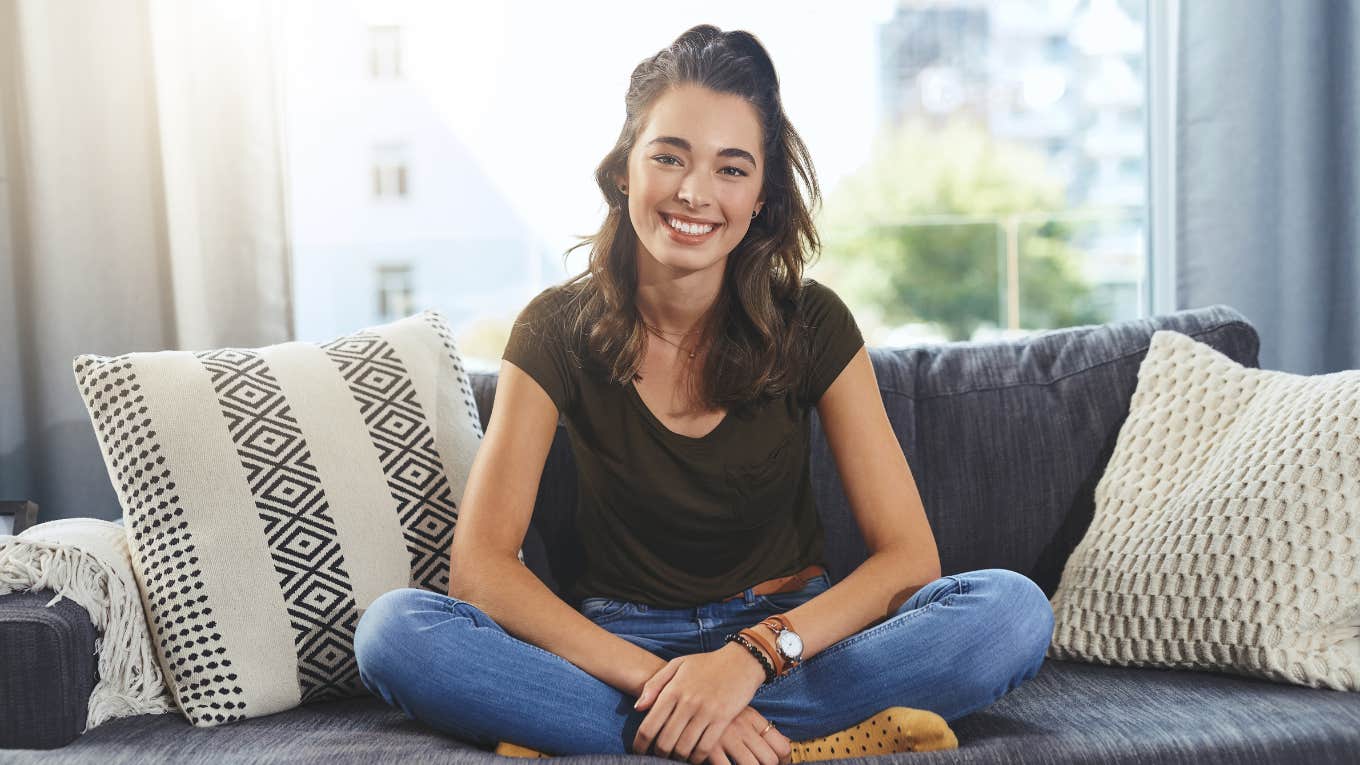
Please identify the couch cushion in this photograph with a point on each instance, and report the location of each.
(1006, 441)
(1068, 713)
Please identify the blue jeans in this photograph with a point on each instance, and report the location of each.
(955, 646)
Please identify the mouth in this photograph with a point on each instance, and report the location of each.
(688, 238)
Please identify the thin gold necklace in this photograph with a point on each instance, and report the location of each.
(666, 331)
(658, 334)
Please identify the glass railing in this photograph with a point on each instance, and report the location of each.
(967, 277)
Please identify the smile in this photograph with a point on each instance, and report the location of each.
(688, 233)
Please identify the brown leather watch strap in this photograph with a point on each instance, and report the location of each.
(782, 619)
(767, 646)
(771, 623)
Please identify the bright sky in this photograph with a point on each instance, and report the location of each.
(535, 89)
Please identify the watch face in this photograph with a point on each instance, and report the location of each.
(790, 644)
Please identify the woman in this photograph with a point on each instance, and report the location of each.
(686, 360)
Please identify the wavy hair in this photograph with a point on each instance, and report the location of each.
(757, 348)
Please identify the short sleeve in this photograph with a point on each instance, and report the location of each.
(537, 346)
(835, 338)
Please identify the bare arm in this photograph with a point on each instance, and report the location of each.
(497, 504)
(887, 506)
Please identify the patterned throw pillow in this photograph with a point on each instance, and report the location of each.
(271, 494)
(1226, 534)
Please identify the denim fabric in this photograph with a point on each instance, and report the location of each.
(954, 647)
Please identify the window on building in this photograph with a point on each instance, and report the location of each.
(396, 291)
(389, 171)
(384, 52)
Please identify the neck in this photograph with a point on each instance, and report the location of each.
(676, 307)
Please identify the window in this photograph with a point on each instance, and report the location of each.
(1028, 214)
(396, 291)
(384, 52)
(983, 163)
(389, 171)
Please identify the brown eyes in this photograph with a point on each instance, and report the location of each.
(662, 157)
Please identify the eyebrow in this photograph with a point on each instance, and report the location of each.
(683, 144)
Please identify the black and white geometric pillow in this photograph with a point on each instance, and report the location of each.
(270, 494)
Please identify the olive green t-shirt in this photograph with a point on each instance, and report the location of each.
(675, 521)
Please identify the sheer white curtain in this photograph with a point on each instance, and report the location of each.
(142, 207)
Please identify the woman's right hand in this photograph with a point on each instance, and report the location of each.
(742, 743)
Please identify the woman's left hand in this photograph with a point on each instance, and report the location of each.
(691, 700)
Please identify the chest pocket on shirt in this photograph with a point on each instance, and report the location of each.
(766, 486)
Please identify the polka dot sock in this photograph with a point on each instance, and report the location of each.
(895, 729)
(507, 749)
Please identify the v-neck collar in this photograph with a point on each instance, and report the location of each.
(661, 426)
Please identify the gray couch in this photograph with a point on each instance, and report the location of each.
(1006, 440)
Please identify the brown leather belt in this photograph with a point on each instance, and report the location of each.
(794, 581)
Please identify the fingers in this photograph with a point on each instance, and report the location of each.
(745, 756)
(735, 748)
(782, 746)
(687, 743)
(760, 747)
(718, 756)
(777, 742)
(651, 726)
(710, 742)
(668, 738)
(652, 688)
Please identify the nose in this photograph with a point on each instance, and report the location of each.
(693, 189)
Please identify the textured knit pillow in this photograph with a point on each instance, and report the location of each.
(271, 494)
(1226, 534)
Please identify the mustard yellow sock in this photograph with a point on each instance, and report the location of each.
(895, 729)
(508, 749)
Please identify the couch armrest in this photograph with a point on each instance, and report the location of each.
(48, 668)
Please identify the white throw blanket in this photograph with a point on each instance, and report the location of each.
(87, 560)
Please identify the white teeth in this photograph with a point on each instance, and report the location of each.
(689, 228)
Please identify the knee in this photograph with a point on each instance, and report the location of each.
(1024, 615)
(382, 630)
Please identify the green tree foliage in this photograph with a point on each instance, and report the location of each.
(920, 232)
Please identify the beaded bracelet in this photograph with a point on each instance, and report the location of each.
(759, 654)
(767, 645)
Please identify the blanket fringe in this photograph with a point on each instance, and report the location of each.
(130, 680)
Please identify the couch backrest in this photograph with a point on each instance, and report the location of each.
(1006, 441)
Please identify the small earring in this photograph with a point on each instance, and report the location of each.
(623, 189)
(754, 213)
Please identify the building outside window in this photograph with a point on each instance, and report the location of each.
(981, 162)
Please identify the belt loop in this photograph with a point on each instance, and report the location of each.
(749, 596)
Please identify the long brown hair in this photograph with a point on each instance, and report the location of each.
(756, 348)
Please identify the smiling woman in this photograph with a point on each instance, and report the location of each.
(686, 361)
(714, 184)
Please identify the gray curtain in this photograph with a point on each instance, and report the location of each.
(1268, 173)
(142, 208)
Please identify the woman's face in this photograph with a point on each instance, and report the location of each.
(697, 160)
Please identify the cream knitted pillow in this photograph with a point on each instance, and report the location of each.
(270, 494)
(1227, 526)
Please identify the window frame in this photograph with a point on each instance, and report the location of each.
(1162, 30)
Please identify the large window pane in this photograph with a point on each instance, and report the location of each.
(982, 163)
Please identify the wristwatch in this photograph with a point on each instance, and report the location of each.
(786, 641)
